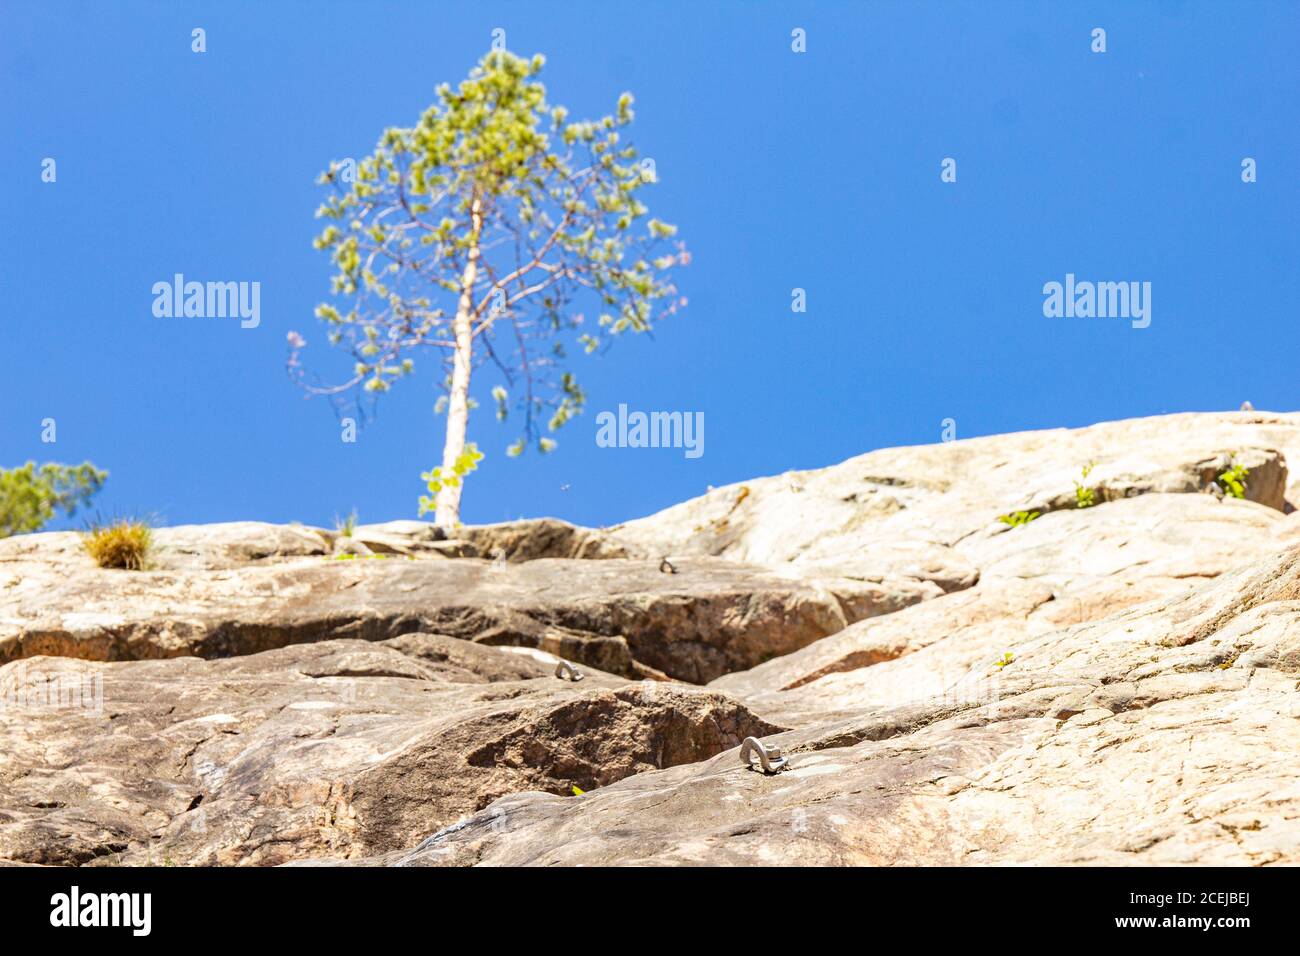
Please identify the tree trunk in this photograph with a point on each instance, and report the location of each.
(447, 514)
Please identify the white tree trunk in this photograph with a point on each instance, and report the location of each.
(447, 514)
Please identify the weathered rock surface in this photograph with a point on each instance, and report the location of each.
(977, 625)
(1109, 684)
(545, 538)
(938, 495)
(338, 748)
(1064, 568)
(1167, 734)
(210, 547)
(625, 617)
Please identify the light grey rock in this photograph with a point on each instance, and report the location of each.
(938, 495)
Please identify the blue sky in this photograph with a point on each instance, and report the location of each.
(818, 170)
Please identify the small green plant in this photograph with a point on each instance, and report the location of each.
(345, 526)
(30, 495)
(1007, 658)
(123, 544)
(438, 478)
(1084, 497)
(578, 791)
(1233, 481)
(1018, 518)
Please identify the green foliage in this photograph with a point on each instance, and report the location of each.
(29, 496)
(345, 526)
(439, 478)
(495, 203)
(1018, 518)
(123, 544)
(1007, 658)
(1084, 497)
(1233, 481)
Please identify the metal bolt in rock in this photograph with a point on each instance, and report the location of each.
(769, 758)
(667, 567)
(565, 668)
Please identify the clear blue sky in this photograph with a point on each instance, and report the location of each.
(817, 170)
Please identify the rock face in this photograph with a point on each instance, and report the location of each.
(341, 748)
(1116, 683)
(939, 495)
(1166, 734)
(625, 617)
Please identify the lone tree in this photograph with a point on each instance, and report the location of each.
(474, 233)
